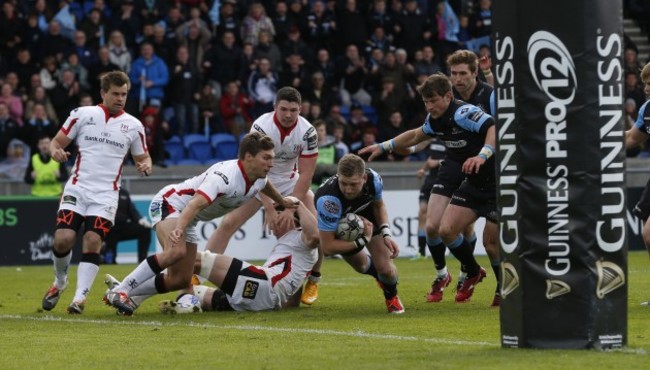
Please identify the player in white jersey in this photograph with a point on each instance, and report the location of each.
(104, 134)
(296, 151)
(176, 209)
(245, 287)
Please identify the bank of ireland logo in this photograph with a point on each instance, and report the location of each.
(610, 277)
(509, 279)
(552, 67)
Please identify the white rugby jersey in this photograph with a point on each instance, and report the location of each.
(103, 141)
(299, 140)
(288, 265)
(225, 186)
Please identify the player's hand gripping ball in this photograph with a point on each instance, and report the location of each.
(350, 227)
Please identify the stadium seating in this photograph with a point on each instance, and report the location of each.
(227, 150)
(189, 139)
(175, 150)
(217, 139)
(201, 151)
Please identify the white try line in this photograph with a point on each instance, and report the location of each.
(354, 334)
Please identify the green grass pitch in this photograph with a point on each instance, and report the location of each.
(348, 328)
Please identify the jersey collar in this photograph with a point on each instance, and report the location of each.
(243, 173)
(284, 131)
(108, 114)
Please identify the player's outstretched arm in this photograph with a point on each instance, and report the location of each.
(143, 164)
(406, 140)
(58, 145)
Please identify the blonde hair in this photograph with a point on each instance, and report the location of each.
(351, 165)
(645, 73)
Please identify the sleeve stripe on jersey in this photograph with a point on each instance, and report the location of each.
(117, 178)
(66, 130)
(308, 155)
(77, 163)
(206, 196)
(144, 142)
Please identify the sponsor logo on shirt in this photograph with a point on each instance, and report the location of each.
(223, 177)
(69, 199)
(331, 207)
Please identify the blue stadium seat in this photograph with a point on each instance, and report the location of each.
(175, 150)
(370, 112)
(217, 139)
(190, 139)
(189, 162)
(201, 151)
(175, 139)
(211, 161)
(227, 150)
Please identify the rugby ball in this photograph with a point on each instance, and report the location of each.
(350, 227)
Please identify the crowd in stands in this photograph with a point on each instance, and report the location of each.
(212, 66)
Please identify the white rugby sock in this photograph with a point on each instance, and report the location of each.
(86, 273)
(146, 288)
(137, 277)
(61, 265)
(443, 272)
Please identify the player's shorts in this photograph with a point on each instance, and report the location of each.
(450, 176)
(429, 180)
(284, 186)
(160, 209)
(248, 288)
(98, 203)
(642, 208)
(483, 201)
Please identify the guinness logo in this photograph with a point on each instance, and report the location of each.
(610, 277)
(509, 280)
(556, 288)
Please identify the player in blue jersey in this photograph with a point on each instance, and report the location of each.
(355, 189)
(469, 136)
(635, 136)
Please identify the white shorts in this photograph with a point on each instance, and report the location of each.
(284, 186)
(252, 290)
(99, 203)
(160, 209)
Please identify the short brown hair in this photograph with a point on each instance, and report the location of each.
(289, 94)
(115, 78)
(254, 143)
(436, 84)
(351, 165)
(463, 57)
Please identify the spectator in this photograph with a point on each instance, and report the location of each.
(85, 100)
(94, 29)
(87, 54)
(209, 109)
(37, 126)
(248, 62)
(54, 43)
(13, 102)
(10, 27)
(296, 45)
(96, 70)
(327, 155)
(262, 86)
(16, 160)
(127, 22)
(266, 48)
(80, 72)
(414, 28)
(24, 68)
(39, 96)
(350, 26)
(321, 26)
(427, 65)
(183, 92)
(196, 39)
(326, 66)
(315, 112)
(390, 129)
(12, 79)
(44, 13)
(155, 131)
(481, 20)
(149, 77)
(195, 19)
(32, 36)
(164, 47)
(353, 73)
(9, 129)
(295, 74)
(228, 21)
(631, 61)
(119, 53)
(223, 62)
(378, 40)
(298, 15)
(379, 17)
(129, 224)
(173, 21)
(44, 174)
(319, 92)
(359, 122)
(65, 94)
(386, 101)
(152, 10)
(255, 22)
(341, 146)
(235, 106)
(368, 138)
(281, 22)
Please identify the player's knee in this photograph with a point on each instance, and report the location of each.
(64, 240)
(176, 254)
(432, 230)
(92, 239)
(447, 233)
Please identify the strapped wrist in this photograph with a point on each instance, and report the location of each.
(486, 152)
(388, 145)
(385, 231)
